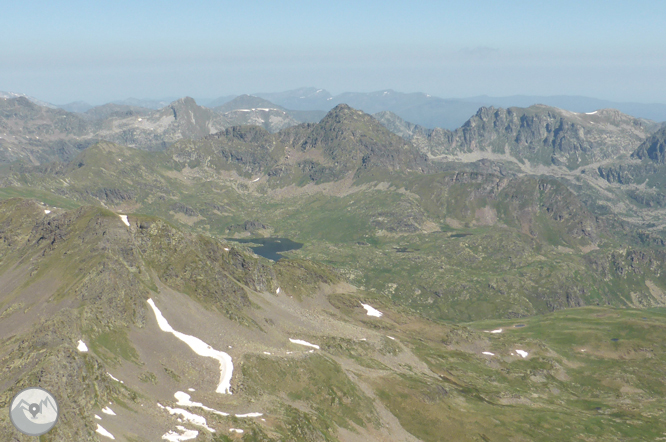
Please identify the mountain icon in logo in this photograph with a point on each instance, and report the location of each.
(34, 411)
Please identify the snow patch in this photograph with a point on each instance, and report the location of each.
(278, 290)
(522, 353)
(200, 348)
(189, 417)
(107, 410)
(300, 342)
(101, 430)
(487, 353)
(82, 347)
(499, 330)
(125, 220)
(191, 389)
(372, 311)
(111, 376)
(390, 337)
(250, 415)
(591, 113)
(186, 434)
(98, 418)
(184, 401)
(256, 179)
(47, 211)
(236, 430)
(267, 353)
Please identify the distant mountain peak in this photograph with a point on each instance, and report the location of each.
(185, 101)
(352, 139)
(247, 102)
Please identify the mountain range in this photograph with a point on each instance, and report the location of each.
(500, 281)
(420, 108)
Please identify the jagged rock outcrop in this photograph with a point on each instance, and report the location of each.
(653, 148)
(539, 135)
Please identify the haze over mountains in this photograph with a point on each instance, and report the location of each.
(419, 108)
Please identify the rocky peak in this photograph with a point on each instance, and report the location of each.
(654, 147)
(351, 138)
(183, 104)
(246, 102)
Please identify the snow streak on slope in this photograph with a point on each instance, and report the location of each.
(125, 220)
(101, 430)
(372, 311)
(200, 348)
(186, 434)
(184, 401)
(301, 342)
(192, 418)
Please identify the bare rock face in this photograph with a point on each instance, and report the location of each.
(653, 148)
(37, 134)
(539, 135)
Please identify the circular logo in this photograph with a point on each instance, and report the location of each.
(34, 411)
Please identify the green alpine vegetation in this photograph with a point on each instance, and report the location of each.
(517, 262)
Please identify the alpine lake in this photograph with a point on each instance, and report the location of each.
(269, 248)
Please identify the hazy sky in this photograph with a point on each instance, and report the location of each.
(101, 51)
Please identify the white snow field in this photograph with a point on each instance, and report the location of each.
(249, 415)
(184, 401)
(200, 348)
(499, 330)
(125, 220)
(192, 418)
(186, 434)
(107, 410)
(236, 430)
(101, 430)
(300, 342)
(487, 353)
(82, 347)
(372, 311)
(522, 353)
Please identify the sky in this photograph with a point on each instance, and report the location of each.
(102, 51)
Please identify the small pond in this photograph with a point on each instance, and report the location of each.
(269, 247)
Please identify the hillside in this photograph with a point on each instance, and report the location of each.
(111, 302)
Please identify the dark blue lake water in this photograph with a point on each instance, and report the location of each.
(269, 247)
